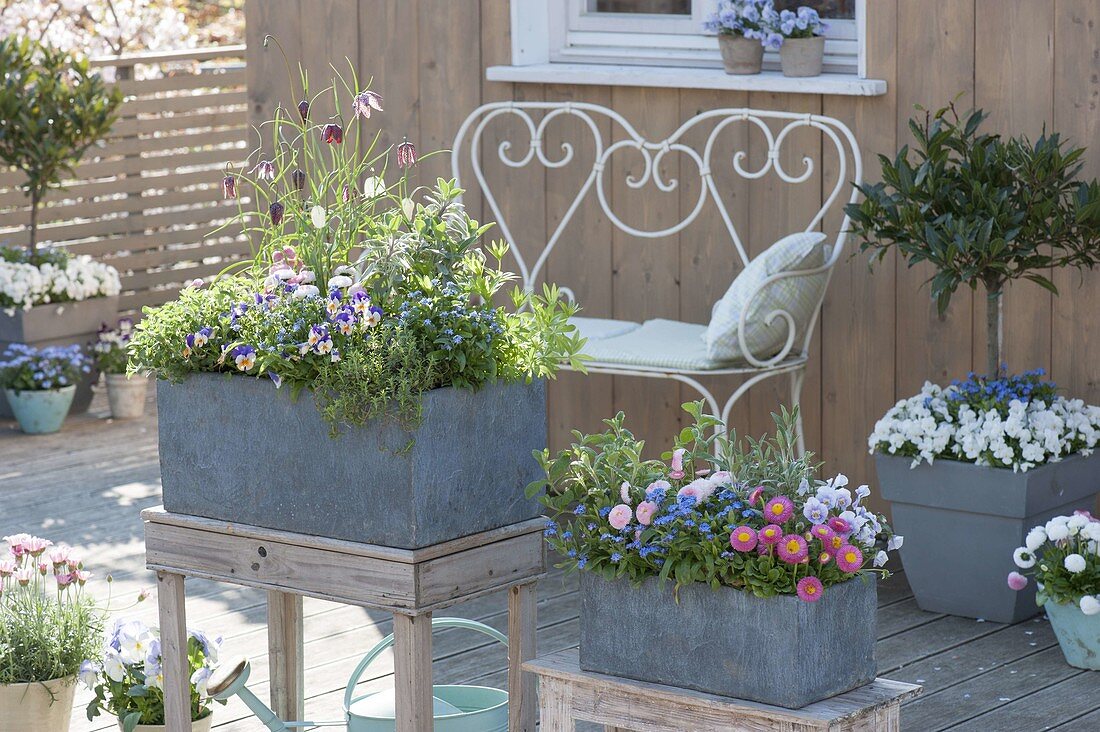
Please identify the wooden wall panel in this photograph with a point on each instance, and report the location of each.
(858, 318)
(1014, 82)
(269, 84)
(1076, 331)
(930, 347)
(332, 47)
(388, 60)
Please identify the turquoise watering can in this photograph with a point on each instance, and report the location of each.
(455, 708)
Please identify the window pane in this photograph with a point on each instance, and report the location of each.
(826, 8)
(659, 7)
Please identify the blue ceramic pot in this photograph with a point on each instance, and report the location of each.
(1078, 634)
(41, 412)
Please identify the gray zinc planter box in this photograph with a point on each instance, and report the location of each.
(59, 324)
(234, 448)
(779, 650)
(962, 521)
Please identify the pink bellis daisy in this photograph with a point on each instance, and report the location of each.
(792, 549)
(771, 534)
(1017, 581)
(778, 509)
(620, 516)
(743, 539)
(809, 589)
(849, 558)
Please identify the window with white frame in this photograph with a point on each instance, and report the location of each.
(670, 33)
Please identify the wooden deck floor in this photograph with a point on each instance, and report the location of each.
(86, 485)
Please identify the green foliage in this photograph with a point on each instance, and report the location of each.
(981, 209)
(52, 109)
(688, 540)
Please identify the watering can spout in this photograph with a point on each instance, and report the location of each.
(228, 677)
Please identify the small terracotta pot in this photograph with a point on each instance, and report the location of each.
(42, 706)
(199, 725)
(802, 57)
(126, 395)
(740, 55)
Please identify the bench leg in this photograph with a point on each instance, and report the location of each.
(412, 672)
(522, 626)
(555, 706)
(284, 651)
(173, 649)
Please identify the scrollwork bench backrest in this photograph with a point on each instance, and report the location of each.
(467, 150)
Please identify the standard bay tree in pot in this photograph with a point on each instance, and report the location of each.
(52, 109)
(969, 468)
(725, 569)
(360, 352)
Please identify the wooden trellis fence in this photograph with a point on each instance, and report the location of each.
(147, 199)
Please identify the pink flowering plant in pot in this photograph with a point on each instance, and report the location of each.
(48, 624)
(721, 530)
(1063, 556)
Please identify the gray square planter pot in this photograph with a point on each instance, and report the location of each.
(730, 642)
(59, 324)
(234, 448)
(961, 523)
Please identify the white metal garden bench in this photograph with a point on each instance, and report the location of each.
(670, 349)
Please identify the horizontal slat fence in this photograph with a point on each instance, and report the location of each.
(148, 198)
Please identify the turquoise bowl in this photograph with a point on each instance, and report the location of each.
(1078, 634)
(41, 412)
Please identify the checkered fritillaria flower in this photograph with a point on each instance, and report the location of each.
(303, 110)
(348, 193)
(298, 179)
(229, 187)
(364, 102)
(332, 133)
(264, 170)
(276, 210)
(406, 154)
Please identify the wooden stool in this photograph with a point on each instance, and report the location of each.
(567, 694)
(409, 583)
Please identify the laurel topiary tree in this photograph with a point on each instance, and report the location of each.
(981, 209)
(52, 109)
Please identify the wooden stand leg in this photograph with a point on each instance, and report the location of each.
(412, 672)
(173, 648)
(284, 652)
(555, 706)
(522, 627)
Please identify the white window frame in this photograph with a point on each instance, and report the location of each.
(578, 36)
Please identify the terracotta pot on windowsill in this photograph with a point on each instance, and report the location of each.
(801, 57)
(740, 55)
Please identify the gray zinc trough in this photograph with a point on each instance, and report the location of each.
(778, 650)
(234, 448)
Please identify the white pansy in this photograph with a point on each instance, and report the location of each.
(1035, 538)
(113, 666)
(1090, 605)
(881, 559)
(1075, 563)
(22, 286)
(1023, 558)
(895, 543)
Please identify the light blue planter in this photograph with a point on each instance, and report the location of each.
(1078, 634)
(41, 412)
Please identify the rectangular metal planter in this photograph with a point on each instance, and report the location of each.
(779, 650)
(59, 324)
(234, 448)
(962, 521)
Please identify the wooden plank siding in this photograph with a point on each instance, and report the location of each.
(1028, 62)
(147, 199)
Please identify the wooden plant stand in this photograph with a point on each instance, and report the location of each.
(409, 583)
(567, 694)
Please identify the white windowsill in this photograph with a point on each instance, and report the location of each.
(685, 78)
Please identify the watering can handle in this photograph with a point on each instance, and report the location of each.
(386, 642)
